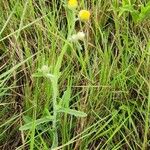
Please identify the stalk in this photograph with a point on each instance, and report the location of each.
(55, 83)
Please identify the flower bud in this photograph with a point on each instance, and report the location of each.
(72, 4)
(84, 15)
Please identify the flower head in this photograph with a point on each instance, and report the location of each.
(44, 69)
(72, 4)
(73, 38)
(84, 15)
(79, 36)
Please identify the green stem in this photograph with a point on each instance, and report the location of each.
(55, 84)
(55, 93)
(144, 146)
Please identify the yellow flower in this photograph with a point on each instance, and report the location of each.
(72, 4)
(84, 15)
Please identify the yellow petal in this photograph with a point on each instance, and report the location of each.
(84, 15)
(72, 4)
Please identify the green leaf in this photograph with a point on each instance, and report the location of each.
(126, 8)
(135, 16)
(129, 8)
(66, 97)
(37, 122)
(145, 12)
(27, 119)
(39, 74)
(72, 112)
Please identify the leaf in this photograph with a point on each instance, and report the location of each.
(129, 8)
(126, 8)
(39, 74)
(66, 97)
(135, 16)
(37, 122)
(27, 119)
(72, 112)
(145, 12)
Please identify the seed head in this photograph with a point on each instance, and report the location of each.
(79, 36)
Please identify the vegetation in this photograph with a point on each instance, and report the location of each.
(75, 75)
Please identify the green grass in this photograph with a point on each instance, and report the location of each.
(94, 95)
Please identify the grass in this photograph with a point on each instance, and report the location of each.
(92, 94)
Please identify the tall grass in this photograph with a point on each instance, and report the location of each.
(95, 94)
